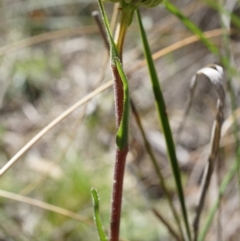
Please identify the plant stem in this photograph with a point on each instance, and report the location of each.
(118, 85)
(117, 193)
(121, 153)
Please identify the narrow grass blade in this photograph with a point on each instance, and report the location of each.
(220, 8)
(225, 61)
(165, 123)
(192, 27)
(97, 219)
(227, 179)
(226, 50)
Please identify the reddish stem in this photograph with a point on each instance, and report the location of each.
(118, 95)
(120, 154)
(117, 193)
(120, 161)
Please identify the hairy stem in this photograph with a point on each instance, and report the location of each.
(121, 153)
(117, 193)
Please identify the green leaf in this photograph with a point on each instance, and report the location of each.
(225, 60)
(122, 133)
(164, 123)
(113, 49)
(97, 219)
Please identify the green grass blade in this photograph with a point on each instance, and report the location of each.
(228, 177)
(122, 132)
(97, 219)
(165, 123)
(225, 61)
(192, 27)
(229, 79)
(220, 8)
(113, 49)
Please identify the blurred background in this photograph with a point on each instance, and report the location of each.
(52, 55)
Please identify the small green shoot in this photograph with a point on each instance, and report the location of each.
(97, 219)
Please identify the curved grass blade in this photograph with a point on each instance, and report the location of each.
(97, 219)
(164, 123)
